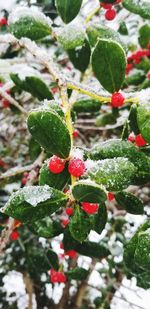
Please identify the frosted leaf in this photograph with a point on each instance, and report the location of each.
(21, 12)
(71, 36)
(39, 195)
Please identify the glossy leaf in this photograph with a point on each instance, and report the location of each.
(57, 181)
(33, 85)
(86, 106)
(68, 9)
(115, 174)
(107, 56)
(142, 256)
(130, 203)
(26, 22)
(141, 7)
(144, 35)
(53, 259)
(143, 117)
(100, 219)
(71, 36)
(33, 203)
(96, 31)
(77, 273)
(93, 249)
(86, 191)
(43, 227)
(80, 56)
(80, 225)
(50, 131)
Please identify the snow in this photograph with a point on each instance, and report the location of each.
(21, 12)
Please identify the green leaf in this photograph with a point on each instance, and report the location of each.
(80, 225)
(26, 22)
(37, 259)
(70, 36)
(143, 280)
(77, 273)
(93, 249)
(123, 28)
(34, 149)
(132, 120)
(143, 117)
(104, 119)
(130, 203)
(144, 35)
(141, 7)
(111, 149)
(96, 31)
(80, 56)
(50, 131)
(86, 106)
(33, 85)
(100, 219)
(53, 259)
(57, 181)
(115, 174)
(130, 247)
(87, 191)
(134, 79)
(142, 251)
(107, 56)
(43, 227)
(33, 203)
(68, 9)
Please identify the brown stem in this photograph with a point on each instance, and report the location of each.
(29, 288)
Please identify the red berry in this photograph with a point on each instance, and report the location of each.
(3, 21)
(5, 103)
(140, 141)
(148, 75)
(129, 67)
(61, 245)
(76, 167)
(110, 196)
(131, 138)
(117, 99)
(110, 14)
(148, 45)
(54, 90)
(71, 253)
(90, 208)
(65, 222)
(2, 163)
(69, 211)
(75, 134)
(57, 276)
(56, 165)
(14, 235)
(24, 181)
(106, 6)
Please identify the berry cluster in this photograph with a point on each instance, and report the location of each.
(76, 166)
(57, 276)
(110, 12)
(138, 140)
(136, 58)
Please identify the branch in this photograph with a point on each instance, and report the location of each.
(11, 100)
